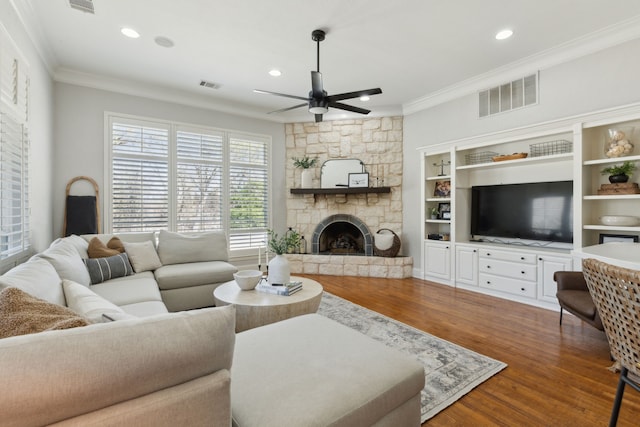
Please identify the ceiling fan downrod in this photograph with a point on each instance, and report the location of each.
(317, 36)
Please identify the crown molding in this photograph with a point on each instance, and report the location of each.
(29, 21)
(591, 43)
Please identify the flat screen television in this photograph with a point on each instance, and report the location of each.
(540, 211)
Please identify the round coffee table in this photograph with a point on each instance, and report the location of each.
(255, 308)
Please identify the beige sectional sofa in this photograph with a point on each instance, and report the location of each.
(151, 367)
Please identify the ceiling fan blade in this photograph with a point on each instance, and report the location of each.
(356, 94)
(280, 94)
(316, 84)
(349, 108)
(287, 109)
(318, 118)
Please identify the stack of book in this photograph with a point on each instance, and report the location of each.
(286, 289)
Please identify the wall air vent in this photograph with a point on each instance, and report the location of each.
(82, 5)
(210, 85)
(509, 96)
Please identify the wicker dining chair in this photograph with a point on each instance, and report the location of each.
(616, 294)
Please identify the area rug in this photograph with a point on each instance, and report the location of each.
(450, 371)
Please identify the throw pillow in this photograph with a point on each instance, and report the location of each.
(106, 268)
(65, 259)
(143, 256)
(97, 249)
(21, 314)
(87, 303)
(176, 248)
(116, 243)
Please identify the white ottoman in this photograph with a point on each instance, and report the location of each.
(313, 371)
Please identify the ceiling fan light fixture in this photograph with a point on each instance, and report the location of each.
(129, 32)
(275, 73)
(318, 106)
(364, 98)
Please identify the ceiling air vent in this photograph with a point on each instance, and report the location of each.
(210, 85)
(82, 5)
(509, 96)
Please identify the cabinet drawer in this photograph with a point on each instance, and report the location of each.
(505, 284)
(508, 256)
(508, 269)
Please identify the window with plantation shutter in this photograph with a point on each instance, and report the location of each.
(140, 177)
(189, 179)
(248, 192)
(14, 151)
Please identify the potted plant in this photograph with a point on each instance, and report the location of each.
(279, 271)
(305, 163)
(619, 173)
(434, 213)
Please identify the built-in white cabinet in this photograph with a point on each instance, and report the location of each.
(437, 261)
(547, 266)
(575, 149)
(466, 265)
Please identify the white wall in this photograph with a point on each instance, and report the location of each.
(40, 129)
(606, 79)
(79, 138)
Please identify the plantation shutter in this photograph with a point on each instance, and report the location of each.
(140, 177)
(199, 176)
(14, 187)
(248, 191)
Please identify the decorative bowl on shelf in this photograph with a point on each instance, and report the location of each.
(247, 279)
(619, 220)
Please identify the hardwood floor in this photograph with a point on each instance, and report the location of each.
(557, 375)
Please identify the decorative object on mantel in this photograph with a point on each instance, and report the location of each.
(619, 173)
(279, 270)
(386, 244)
(513, 156)
(305, 163)
(618, 142)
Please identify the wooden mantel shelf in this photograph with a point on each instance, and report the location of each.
(341, 190)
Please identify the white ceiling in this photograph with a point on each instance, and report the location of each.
(417, 51)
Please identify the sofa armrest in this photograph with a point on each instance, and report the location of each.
(57, 375)
(570, 280)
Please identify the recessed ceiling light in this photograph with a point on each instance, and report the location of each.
(504, 34)
(275, 73)
(130, 32)
(364, 98)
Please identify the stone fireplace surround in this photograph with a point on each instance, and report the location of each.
(378, 143)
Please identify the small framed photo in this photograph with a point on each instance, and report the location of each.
(358, 180)
(606, 238)
(442, 189)
(444, 210)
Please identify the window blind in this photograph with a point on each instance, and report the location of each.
(189, 179)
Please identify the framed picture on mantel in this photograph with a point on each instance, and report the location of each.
(359, 180)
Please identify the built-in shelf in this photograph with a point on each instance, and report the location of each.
(341, 190)
(611, 160)
(527, 160)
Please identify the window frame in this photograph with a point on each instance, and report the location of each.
(172, 158)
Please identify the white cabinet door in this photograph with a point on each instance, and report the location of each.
(547, 265)
(467, 265)
(437, 260)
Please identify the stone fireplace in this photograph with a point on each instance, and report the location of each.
(341, 235)
(340, 227)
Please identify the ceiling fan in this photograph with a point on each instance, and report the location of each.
(318, 101)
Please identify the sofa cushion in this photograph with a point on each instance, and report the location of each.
(87, 303)
(65, 259)
(143, 256)
(98, 249)
(36, 277)
(145, 308)
(193, 274)
(21, 313)
(140, 287)
(78, 242)
(133, 237)
(107, 268)
(57, 375)
(176, 248)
